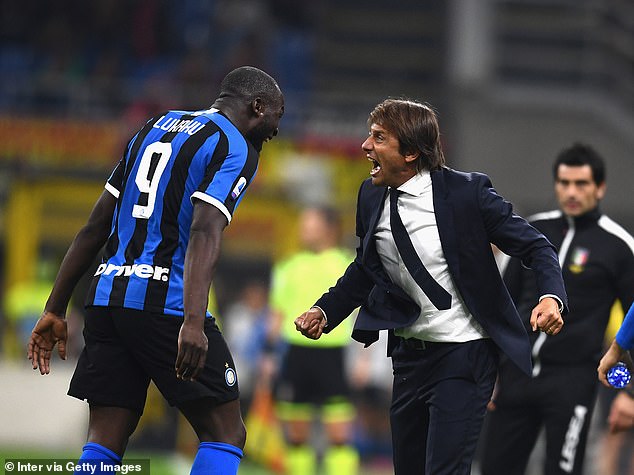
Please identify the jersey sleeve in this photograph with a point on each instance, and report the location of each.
(625, 335)
(114, 184)
(227, 176)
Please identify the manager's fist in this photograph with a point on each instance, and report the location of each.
(311, 323)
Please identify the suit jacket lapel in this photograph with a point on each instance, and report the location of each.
(443, 210)
(377, 208)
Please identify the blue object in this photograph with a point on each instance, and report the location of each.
(96, 460)
(216, 458)
(618, 375)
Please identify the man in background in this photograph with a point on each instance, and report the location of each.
(312, 382)
(597, 261)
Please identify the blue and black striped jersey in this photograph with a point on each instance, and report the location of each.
(175, 158)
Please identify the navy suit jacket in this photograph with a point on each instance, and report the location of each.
(470, 216)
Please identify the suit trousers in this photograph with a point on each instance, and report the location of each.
(439, 402)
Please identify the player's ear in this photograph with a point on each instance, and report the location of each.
(257, 105)
(601, 190)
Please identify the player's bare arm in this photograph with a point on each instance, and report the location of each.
(546, 317)
(201, 259)
(50, 330)
(311, 323)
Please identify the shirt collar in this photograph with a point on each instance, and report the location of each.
(416, 185)
(588, 219)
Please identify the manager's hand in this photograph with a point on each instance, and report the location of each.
(311, 323)
(546, 317)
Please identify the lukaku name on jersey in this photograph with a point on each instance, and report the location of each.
(172, 124)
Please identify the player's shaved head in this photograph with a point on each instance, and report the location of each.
(247, 83)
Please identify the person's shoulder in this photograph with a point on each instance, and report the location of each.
(167, 119)
(174, 113)
(238, 143)
(367, 189)
(616, 232)
(543, 216)
(215, 116)
(459, 177)
(452, 173)
(366, 184)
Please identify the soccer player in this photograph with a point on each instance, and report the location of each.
(161, 219)
(597, 259)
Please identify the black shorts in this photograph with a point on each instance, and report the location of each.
(125, 349)
(312, 375)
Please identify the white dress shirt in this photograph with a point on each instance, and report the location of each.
(416, 208)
